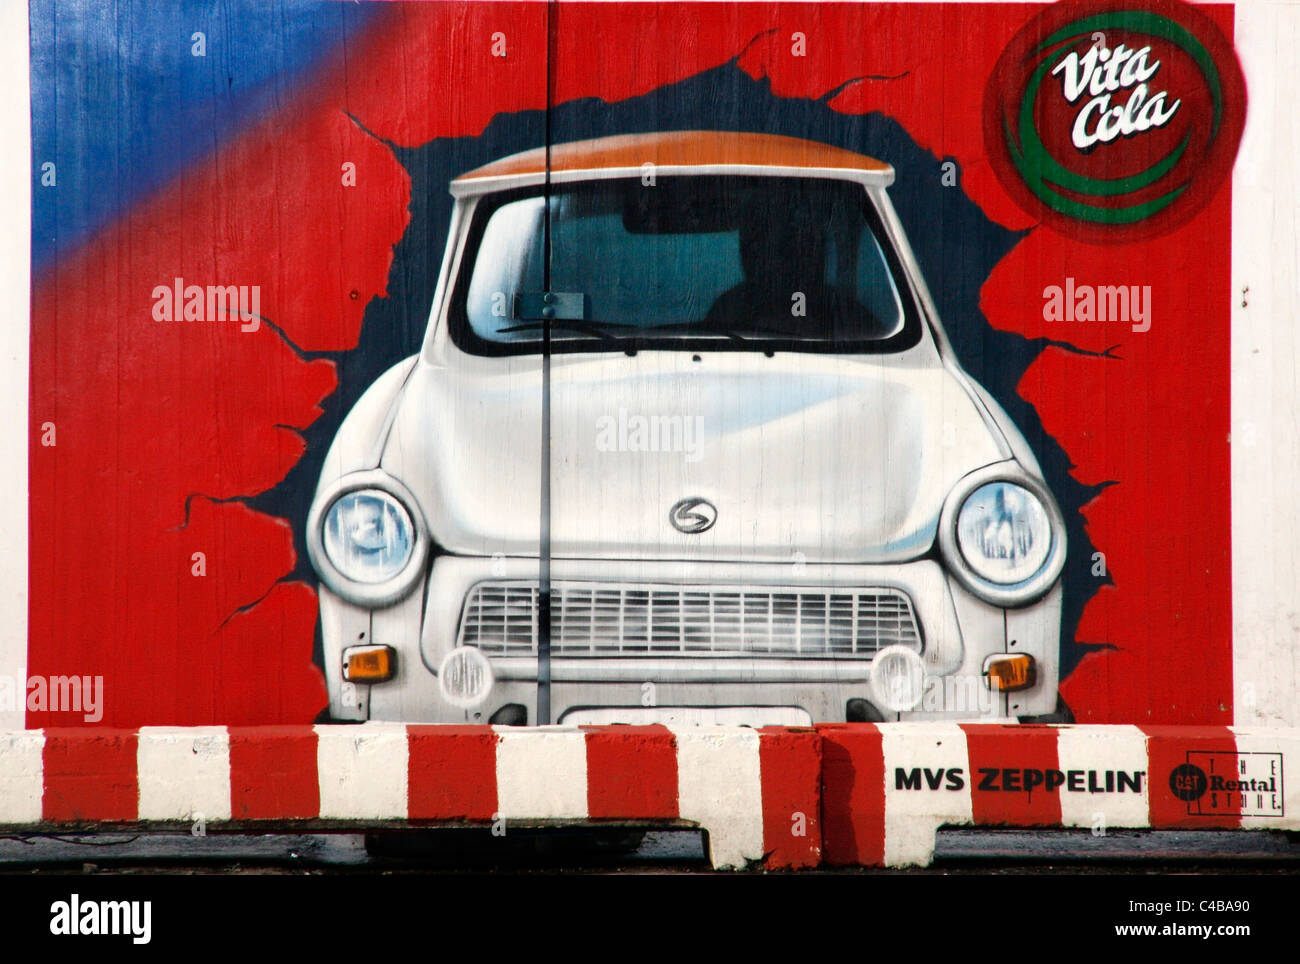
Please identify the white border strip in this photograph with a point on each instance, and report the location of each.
(15, 333)
(1266, 373)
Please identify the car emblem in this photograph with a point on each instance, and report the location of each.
(693, 515)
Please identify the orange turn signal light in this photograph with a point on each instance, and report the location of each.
(369, 664)
(1006, 672)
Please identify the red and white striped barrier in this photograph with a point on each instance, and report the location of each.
(746, 787)
(789, 797)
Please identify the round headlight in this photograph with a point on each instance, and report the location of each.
(1004, 533)
(368, 536)
(897, 678)
(465, 677)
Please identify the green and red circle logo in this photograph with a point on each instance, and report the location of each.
(1115, 120)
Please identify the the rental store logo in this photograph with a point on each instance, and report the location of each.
(1215, 783)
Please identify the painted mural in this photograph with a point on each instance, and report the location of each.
(631, 363)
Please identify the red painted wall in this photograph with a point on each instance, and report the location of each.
(163, 429)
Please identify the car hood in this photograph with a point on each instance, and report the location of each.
(800, 457)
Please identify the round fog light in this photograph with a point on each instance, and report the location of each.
(465, 677)
(897, 678)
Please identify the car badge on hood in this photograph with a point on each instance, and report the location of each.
(693, 515)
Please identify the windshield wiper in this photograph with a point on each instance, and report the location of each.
(585, 327)
(749, 329)
(605, 331)
(727, 331)
(719, 330)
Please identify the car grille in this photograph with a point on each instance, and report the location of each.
(607, 619)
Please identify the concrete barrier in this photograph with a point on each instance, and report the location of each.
(755, 792)
(785, 798)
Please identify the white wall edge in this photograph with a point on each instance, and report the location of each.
(1265, 385)
(15, 290)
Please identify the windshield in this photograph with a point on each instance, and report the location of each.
(697, 262)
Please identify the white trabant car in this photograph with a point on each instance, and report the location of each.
(685, 442)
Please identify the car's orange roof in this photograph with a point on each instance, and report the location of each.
(680, 149)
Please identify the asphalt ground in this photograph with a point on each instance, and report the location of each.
(962, 851)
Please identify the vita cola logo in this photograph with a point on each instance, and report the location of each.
(1101, 73)
(1112, 120)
